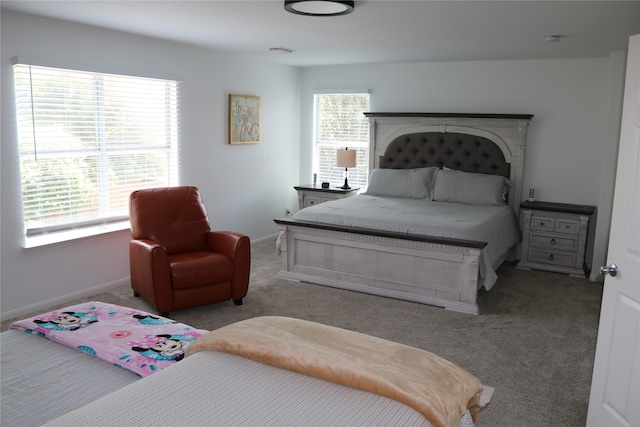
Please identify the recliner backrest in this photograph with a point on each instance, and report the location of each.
(174, 217)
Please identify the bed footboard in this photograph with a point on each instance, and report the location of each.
(434, 271)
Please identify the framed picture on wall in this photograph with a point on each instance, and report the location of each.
(244, 119)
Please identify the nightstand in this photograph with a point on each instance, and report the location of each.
(555, 237)
(309, 195)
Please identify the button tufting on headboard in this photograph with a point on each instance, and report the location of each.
(464, 152)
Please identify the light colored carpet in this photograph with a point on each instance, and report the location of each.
(534, 340)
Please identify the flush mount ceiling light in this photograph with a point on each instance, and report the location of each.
(281, 50)
(552, 38)
(319, 7)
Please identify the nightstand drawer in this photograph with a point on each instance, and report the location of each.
(554, 242)
(542, 223)
(570, 226)
(310, 200)
(561, 225)
(552, 258)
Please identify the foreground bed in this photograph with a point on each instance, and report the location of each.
(42, 380)
(263, 371)
(390, 261)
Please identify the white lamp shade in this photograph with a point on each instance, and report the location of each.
(346, 158)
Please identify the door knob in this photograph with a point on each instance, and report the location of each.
(611, 270)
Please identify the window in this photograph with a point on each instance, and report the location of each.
(86, 140)
(339, 122)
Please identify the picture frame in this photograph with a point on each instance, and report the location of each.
(244, 119)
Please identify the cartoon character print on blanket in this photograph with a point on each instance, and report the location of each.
(132, 339)
(167, 347)
(148, 319)
(67, 321)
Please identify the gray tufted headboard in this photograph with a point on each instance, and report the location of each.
(479, 143)
(469, 153)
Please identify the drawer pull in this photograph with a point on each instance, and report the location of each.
(541, 224)
(551, 257)
(552, 241)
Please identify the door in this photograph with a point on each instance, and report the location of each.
(615, 388)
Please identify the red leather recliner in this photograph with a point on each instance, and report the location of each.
(176, 261)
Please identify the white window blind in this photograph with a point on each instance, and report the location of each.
(339, 122)
(87, 140)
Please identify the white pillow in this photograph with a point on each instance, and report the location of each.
(412, 183)
(467, 187)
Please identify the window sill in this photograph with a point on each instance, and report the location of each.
(72, 236)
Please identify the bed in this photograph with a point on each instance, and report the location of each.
(398, 259)
(236, 376)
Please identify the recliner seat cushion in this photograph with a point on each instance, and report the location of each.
(193, 269)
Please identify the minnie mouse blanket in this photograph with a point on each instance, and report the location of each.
(132, 339)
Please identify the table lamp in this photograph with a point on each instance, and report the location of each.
(346, 160)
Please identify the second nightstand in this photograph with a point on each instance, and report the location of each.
(555, 237)
(309, 195)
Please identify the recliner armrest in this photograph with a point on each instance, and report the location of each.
(237, 247)
(226, 242)
(151, 273)
(146, 245)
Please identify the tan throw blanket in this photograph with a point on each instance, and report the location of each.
(435, 387)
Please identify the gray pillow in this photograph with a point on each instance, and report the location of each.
(412, 183)
(471, 188)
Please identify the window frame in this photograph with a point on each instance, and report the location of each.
(167, 143)
(358, 176)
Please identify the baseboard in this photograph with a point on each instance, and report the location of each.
(24, 311)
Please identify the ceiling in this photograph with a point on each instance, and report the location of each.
(378, 31)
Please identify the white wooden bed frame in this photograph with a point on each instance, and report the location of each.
(435, 271)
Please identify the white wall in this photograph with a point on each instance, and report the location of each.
(242, 185)
(570, 138)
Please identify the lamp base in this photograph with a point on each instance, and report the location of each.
(346, 185)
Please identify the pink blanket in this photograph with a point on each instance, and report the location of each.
(133, 339)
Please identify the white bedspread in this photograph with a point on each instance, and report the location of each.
(218, 389)
(495, 225)
(42, 379)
